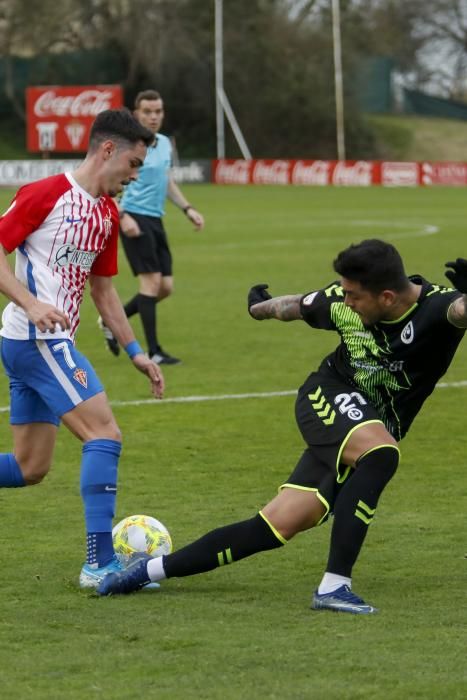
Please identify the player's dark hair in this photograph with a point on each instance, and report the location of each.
(146, 95)
(375, 264)
(118, 125)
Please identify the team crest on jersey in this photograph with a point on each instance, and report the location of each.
(107, 220)
(81, 376)
(308, 300)
(407, 334)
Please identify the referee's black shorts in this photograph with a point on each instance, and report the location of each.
(327, 411)
(150, 251)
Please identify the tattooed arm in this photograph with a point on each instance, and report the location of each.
(457, 275)
(285, 308)
(457, 312)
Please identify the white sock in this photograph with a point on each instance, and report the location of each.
(156, 570)
(331, 582)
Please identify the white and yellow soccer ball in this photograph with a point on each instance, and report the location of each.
(141, 533)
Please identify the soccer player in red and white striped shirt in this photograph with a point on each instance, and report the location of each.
(64, 230)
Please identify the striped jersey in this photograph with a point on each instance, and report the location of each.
(396, 364)
(61, 234)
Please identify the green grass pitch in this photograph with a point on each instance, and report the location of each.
(246, 630)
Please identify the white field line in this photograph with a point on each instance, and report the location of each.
(230, 397)
(409, 230)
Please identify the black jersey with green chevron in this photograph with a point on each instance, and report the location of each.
(395, 363)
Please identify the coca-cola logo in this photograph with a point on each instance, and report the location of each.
(87, 103)
(358, 173)
(314, 172)
(236, 173)
(274, 173)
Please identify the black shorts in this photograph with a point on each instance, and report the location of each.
(327, 412)
(312, 474)
(149, 252)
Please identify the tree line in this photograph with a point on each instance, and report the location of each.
(278, 61)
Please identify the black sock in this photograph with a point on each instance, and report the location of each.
(147, 311)
(222, 546)
(355, 507)
(131, 307)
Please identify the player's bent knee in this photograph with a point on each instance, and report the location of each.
(383, 458)
(106, 430)
(34, 472)
(294, 511)
(106, 434)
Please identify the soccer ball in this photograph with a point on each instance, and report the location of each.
(141, 533)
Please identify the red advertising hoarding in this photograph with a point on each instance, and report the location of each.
(59, 117)
(297, 172)
(357, 173)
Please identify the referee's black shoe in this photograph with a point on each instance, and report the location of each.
(163, 358)
(110, 339)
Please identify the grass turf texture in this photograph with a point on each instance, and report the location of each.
(247, 629)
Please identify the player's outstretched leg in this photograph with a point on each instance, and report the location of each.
(217, 548)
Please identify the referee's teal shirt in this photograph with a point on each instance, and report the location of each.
(148, 193)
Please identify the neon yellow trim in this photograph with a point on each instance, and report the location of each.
(276, 532)
(315, 396)
(366, 520)
(220, 558)
(367, 509)
(319, 405)
(228, 555)
(341, 479)
(401, 318)
(336, 289)
(307, 488)
(325, 411)
(378, 447)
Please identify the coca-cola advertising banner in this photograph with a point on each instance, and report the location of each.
(360, 173)
(59, 118)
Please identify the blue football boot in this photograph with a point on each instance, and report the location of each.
(91, 575)
(128, 579)
(341, 600)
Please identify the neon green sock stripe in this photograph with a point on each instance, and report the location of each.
(225, 557)
(366, 520)
(367, 509)
(277, 534)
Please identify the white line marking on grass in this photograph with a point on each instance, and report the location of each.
(410, 230)
(420, 229)
(228, 397)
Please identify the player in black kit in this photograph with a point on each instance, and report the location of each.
(398, 336)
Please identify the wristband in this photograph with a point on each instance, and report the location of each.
(133, 348)
(185, 209)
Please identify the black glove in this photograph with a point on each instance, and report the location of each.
(257, 294)
(458, 274)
